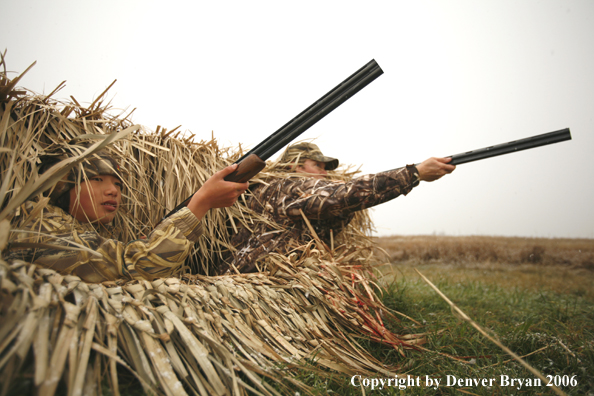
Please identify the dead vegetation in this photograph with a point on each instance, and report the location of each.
(574, 253)
(189, 334)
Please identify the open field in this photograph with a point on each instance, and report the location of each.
(576, 253)
(563, 266)
(534, 295)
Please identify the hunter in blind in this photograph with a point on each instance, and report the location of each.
(65, 235)
(329, 205)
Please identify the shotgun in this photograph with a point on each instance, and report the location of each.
(250, 164)
(511, 147)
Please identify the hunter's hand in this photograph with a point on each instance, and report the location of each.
(216, 193)
(434, 168)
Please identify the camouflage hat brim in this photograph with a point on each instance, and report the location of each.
(309, 151)
(99, 164)
(103, 165)
(331, 163)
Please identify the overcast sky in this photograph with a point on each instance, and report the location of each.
(458, 75)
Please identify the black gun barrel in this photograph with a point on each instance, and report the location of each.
(512, 147)
(308, 117)
(337, 96)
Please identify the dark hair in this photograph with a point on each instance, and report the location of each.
(63, 202)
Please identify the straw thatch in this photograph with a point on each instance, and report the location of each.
(194, 333)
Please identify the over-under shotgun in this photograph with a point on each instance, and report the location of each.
(255, 160)
(512, 147)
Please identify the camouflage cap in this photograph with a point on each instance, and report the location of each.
(310, 151)
(100, 163)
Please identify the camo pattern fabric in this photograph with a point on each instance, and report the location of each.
(53, 239)
(100, 163)
(310, 151)
(328, 205)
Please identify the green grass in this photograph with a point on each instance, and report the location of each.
(525, 317)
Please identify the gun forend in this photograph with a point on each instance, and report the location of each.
(512, 147)
(247, 168)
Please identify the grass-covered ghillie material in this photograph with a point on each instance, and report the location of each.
(193, 333)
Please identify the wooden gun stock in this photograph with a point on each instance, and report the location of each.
(247, 168)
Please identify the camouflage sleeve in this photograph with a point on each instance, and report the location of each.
(323, 199)
(164, 250)
(55, 240)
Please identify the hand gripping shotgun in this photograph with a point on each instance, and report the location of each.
(255, 160)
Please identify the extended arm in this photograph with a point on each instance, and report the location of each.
(435, 168)
(323, 199)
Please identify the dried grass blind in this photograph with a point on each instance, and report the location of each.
(193, 334)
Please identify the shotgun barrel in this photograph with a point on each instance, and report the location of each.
(253, 161)
(318, 110)
(512, 147)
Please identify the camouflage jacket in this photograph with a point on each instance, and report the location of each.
(328, 205)
(51, 241)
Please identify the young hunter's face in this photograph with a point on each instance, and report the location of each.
(96, 200)
(316, 168)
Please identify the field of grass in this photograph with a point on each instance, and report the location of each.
(534, 295)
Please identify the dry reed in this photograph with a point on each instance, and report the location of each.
(193, 333)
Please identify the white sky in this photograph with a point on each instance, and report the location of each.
(458, 75)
